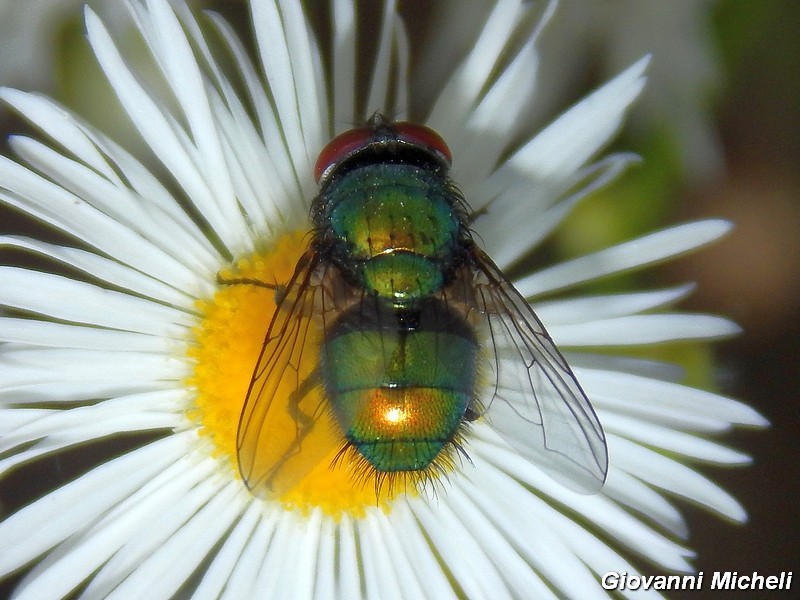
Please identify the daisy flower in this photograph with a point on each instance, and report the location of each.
(146, 332)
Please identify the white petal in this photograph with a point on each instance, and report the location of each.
(79, 556)
(665, 473)
(260, 188)
(674, 442)
(467, 562)
(325, 580)
(183, 497)
(161, 132)
(242, 583)
(344, 64)
(61, 335)
(308, 77)
(78, 302)
(33, 364)
(599, 557)
(182, 73)
(401, 83)
(670, 403)
(118, 275)
(524, 214)
(379, 86)
(350, 585)
(583, 309)
(378, 564)
(479, 117)
(643, 329)
(633, 254)
(56, 206)
(117, 202)
(489, 524)
(566, 144)
(296, 106)
(604, 514)
(44, 523)
(645, 367)
(169, 565)
(75, 429)
(485, 134)
(631, 492)
(464, 87)
(219, 571)
(53, 375)
(301, 578)
(60, 125)
(277, 152)
(124, 412)
(413, 583)
(281, 555)
(533, 527)
(92, 148)
(419, 551)
(79, 391)
(12, 418)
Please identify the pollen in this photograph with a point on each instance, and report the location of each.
(299, 460)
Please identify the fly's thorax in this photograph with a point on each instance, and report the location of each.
(395, 229)
(400, 382)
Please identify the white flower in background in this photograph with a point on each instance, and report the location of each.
(28, 39)
(153, 343)
(29, 35)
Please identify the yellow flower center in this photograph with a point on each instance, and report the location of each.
(303, 455)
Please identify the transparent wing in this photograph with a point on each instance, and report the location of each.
(537, 404)
(285, 429)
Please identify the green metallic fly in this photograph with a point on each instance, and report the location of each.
(421, 332)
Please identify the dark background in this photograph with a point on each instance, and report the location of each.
(754, 277)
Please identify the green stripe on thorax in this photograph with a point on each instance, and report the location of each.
(393, 228)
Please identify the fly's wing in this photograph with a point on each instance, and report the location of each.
(285, 429)
(537, 404)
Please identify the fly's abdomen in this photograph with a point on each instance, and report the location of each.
(400, 384)
(394, 229)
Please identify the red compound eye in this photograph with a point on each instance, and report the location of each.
(342, 146)
(350, 142)
(419, 135)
